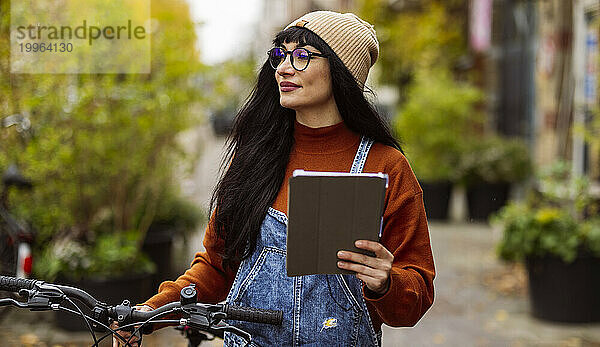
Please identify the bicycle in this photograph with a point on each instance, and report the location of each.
(196, 320)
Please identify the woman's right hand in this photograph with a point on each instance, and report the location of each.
(136, 340)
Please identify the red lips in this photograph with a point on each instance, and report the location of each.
(288, 86)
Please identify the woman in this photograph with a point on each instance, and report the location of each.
(308, 111)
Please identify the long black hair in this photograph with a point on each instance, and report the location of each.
(260, 142)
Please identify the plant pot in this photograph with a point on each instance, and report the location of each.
(564, 292)
(483, 199)
(436, 197)
(158, 246)
(135, 288)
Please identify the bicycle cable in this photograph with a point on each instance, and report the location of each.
(84, 318)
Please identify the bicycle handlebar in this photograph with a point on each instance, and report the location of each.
(251, 314)
(12, 284)
(128, 314)
(241, 313)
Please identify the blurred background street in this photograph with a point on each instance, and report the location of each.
(108, 176)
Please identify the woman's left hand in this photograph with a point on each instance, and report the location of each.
(374, 271)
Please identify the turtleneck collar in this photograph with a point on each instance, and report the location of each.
(329, 139)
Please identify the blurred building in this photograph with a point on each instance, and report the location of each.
(554, 81)
(539, 65)
(566, 82)
(586, 27)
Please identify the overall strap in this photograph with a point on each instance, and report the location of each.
(357, 166)
(361, 155)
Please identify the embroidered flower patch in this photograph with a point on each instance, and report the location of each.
(329, 323)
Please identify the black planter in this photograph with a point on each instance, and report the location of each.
(135, 288)
(483, 199)
(158, 246)
(436, 197)
(564, 292)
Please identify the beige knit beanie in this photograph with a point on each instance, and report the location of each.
(351, 38)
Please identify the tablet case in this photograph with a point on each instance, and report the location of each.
(328, 212)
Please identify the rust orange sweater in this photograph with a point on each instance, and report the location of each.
(405, 231)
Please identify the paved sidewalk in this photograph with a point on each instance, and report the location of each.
(479, 302)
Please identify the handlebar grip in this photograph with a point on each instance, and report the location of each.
(251, 314)
(13, 284)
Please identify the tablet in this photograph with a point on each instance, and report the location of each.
(328, 212)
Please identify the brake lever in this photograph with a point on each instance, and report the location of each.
(202, 316)
(198, 320)
(235, 330)
(13, 302)
(43, 297)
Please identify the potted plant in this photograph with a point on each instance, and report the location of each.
(176, 217)
(112, 259)
(438, 116)
(556, 233)
(112, 267)
(488, 167)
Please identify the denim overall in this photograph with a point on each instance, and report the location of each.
(318, 310)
